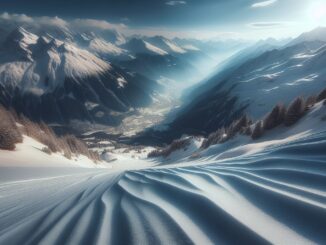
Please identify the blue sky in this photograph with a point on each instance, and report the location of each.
(206, 18)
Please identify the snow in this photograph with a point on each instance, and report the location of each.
(81, 63)
(174, 47)
(184, 153)
(49, 63)
(309, 78)
(278, 180)
(154, 49)
(316, 34)
(272, 190)
(242, 147)
(24, 37)
(30, 154)
(91, 105)
(271, 89)
(100, 46)
(303, 56)
(280, 78)
(121, 82)
(190, 47)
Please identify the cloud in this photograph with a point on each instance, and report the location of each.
(97, 24)
(185, 33)
(11, 21)
(261, 25)
(16, 17)
(173, 3)
(264, 4)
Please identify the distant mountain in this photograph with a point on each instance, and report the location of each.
(216, 49)
(139, 46)
(251, 52)
(167, 45)
(318, 34)
(189, 53)
(162, 67)
(254, 86)
(57, 73)
(229, 65)
(160, 58)
(56, 81)
(100, 46)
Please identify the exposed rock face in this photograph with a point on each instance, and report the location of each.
(55, 81)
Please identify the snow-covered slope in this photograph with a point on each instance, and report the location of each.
(100, 46)
(167, 45)
(271, 192)
(250, 52)
(280, 75)
(318, 34)
(107, 48)
(139, 46)
(30, 154)
(255, 86)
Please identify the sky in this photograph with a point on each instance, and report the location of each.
(187, 18)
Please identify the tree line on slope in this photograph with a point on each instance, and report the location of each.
(174, 146)
(13, 127)
(279, 115)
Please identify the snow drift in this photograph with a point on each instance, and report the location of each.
(272, 191)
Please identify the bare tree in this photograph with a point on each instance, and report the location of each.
(9, 132)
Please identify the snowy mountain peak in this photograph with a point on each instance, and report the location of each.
(318, 34)
(17, 34)
(39, 65)
(21, 35)
(19, 39)
(42, 41)
(154, 49)
(137, 45)
(165, 44)
(101, 47)
(15, 46)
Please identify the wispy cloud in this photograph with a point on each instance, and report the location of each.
(264, 4)
(11, 20)
(173, 3)
(21, 19)
(97, 24)
(260, 25)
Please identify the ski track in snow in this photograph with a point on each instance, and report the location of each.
(275, 196)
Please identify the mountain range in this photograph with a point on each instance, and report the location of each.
(251, 82)
(58, 74)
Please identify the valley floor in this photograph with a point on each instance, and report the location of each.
(274, 195)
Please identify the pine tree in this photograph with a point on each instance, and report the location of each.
(295, 111)
(258, 130)
(275, 117)
(321, 96)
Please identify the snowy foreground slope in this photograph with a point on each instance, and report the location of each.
(269, 191)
